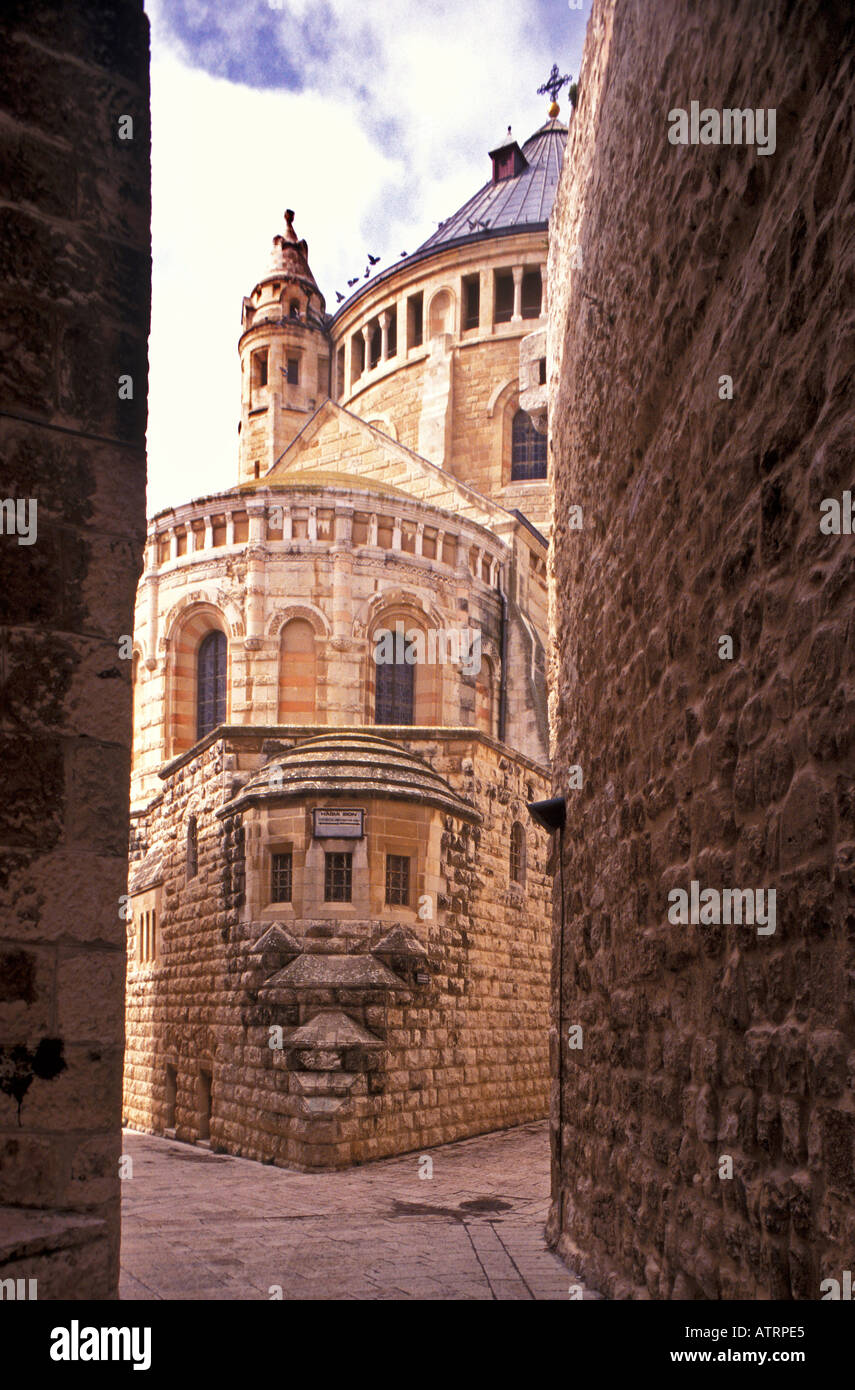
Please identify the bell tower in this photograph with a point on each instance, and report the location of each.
(284, 355)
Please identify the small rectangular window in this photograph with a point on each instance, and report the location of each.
(531, 294)
(259, 368)
(471, 301)
(541, 371)
(293, 371)
(338, 878)
(357, 357)
(415, 320)
(147, 943)
(375, 345)
(517, 854)
(281, 877)
(192, 856)
(171, 1096)
(397, 880)
(503, 301)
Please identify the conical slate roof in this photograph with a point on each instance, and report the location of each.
(349, 765)
(513, 203)
(290, 255)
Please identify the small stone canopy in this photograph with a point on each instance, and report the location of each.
(400, 942)
(332, 1029)
(333, 972)
(148, 874)
(277, 940)
(351, 765)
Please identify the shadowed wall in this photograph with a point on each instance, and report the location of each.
(74, 305)
(701, 519)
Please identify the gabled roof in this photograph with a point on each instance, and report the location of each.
(334, 440)
(515, 203)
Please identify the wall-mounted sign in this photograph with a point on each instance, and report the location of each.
(338, 823)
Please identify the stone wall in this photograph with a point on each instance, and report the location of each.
(415, 1061)
(732, 768)
(74, 304)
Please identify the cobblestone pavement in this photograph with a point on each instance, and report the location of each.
(198, 1225)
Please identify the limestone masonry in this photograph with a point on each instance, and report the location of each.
(708, 1140)
(339, 944)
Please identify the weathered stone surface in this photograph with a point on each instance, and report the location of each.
(443, 1034)
(701, 519)
(332, 1029)
(335, 972)
(75, 263)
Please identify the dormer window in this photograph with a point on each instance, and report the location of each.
(508, 160)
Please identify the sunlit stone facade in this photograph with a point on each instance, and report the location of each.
(331, 964)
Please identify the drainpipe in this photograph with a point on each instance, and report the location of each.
(503, 687)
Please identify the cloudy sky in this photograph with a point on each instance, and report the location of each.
(371, 118)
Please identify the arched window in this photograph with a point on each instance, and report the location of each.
(376, 345)
(528, 450)
(441, 314)
(395, 692)
(211, 662)
(192, 849)
(517, 855)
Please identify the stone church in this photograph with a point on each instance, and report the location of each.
(339, 908)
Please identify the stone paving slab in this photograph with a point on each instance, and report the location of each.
(198, 1225)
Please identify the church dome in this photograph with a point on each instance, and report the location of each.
(348, 764)
(519, 196)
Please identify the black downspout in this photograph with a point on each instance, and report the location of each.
(561, 1034)
(503, 687)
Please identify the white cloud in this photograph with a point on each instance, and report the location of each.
(227, 159)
